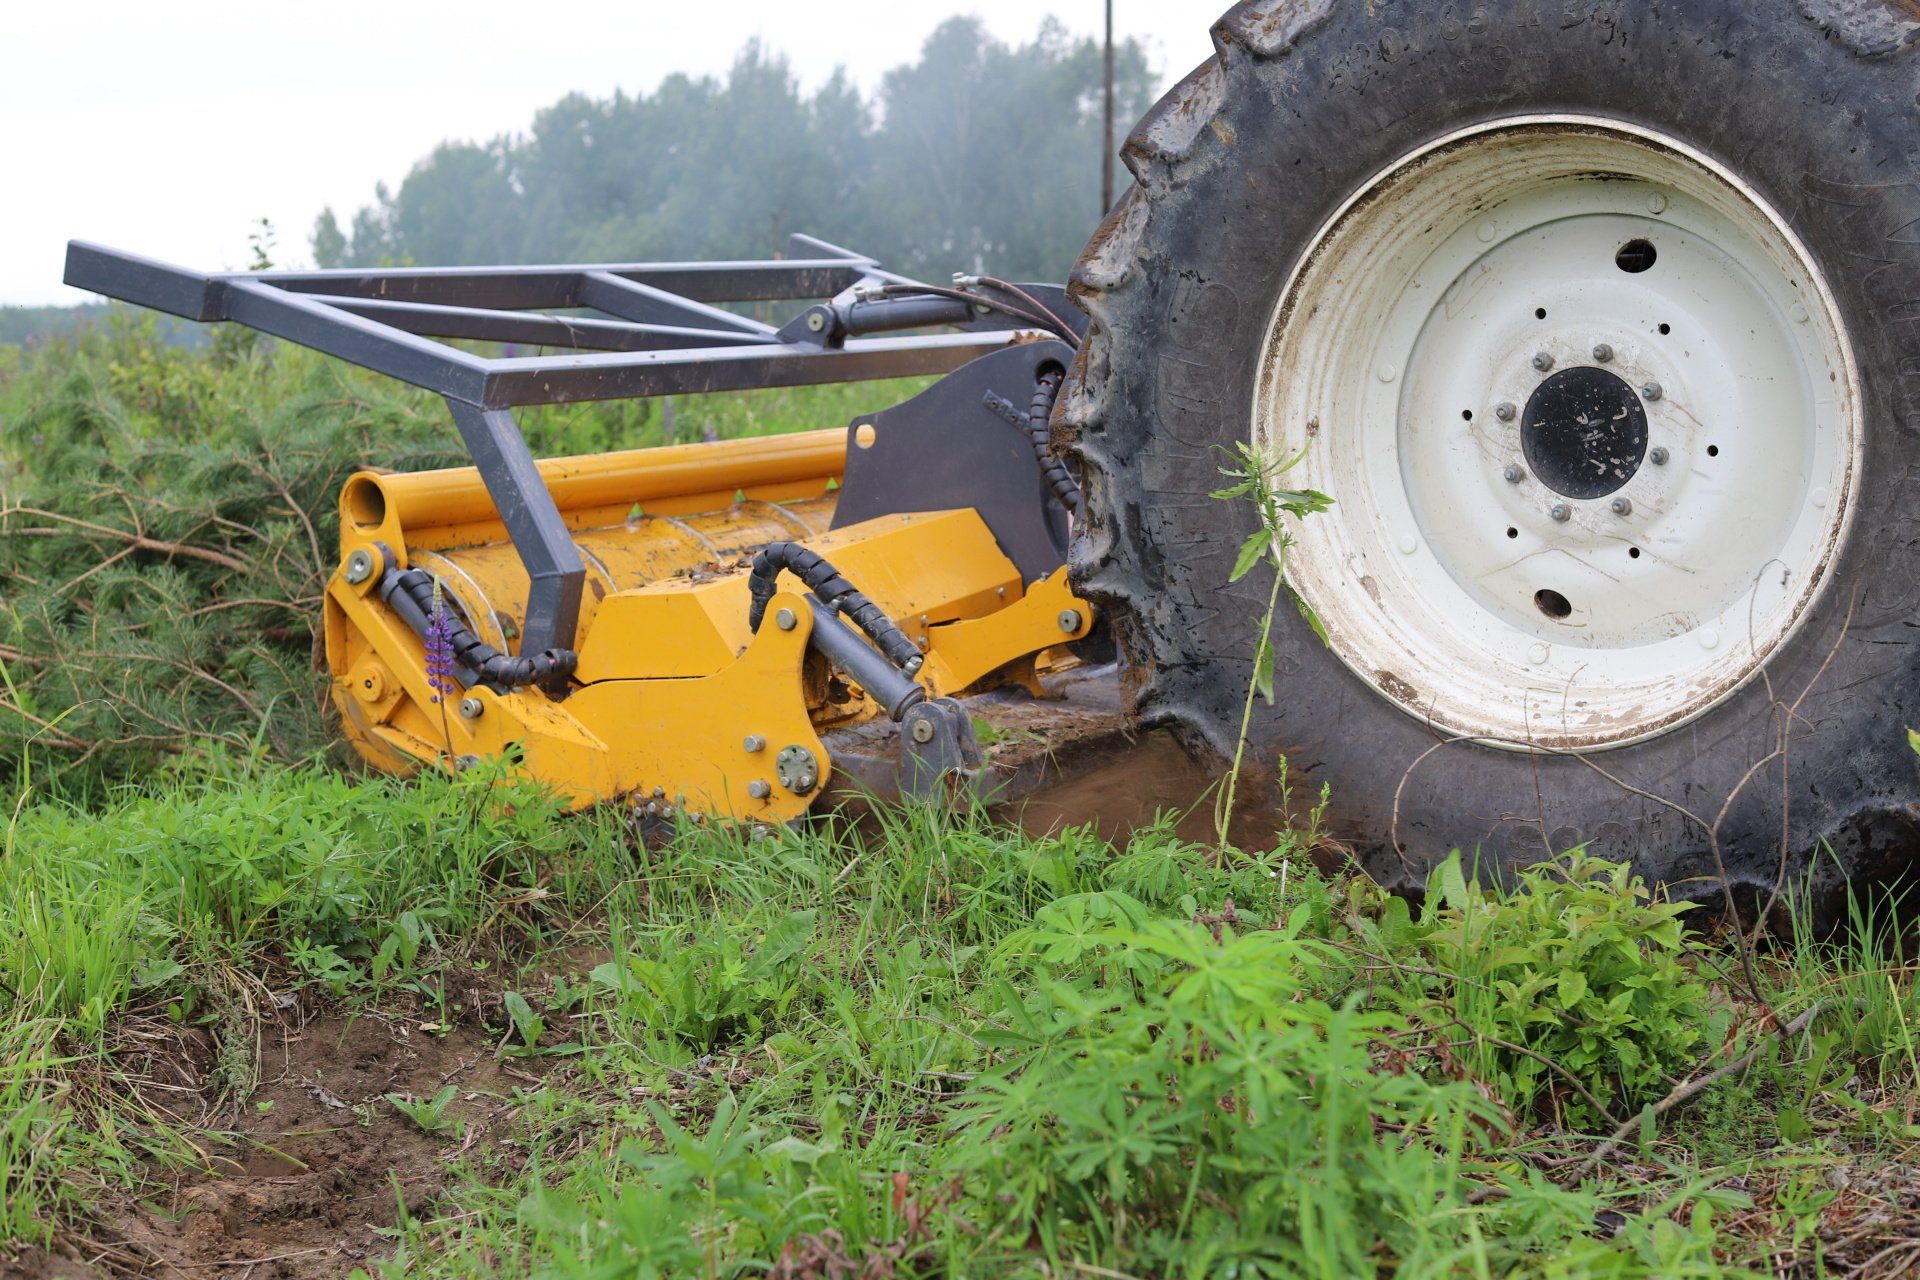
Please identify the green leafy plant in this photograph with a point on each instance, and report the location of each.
(1159, 1086)
(1256, 479)
(1574, 985)
(429, 1115)
(704, 991)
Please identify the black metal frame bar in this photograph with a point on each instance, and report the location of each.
(659, 333)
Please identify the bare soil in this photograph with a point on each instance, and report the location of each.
(297, 1180)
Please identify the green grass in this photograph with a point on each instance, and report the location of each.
(939, 1042)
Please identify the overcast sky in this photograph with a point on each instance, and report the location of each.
(168, 129)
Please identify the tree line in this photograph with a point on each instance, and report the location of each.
(977, 156)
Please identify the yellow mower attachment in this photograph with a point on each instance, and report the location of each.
(675, 701)
(687, 625)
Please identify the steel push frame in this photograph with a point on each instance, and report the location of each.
(659, 331)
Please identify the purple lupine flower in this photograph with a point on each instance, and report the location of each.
(440, 646)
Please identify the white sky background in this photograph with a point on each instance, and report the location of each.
(169, 128)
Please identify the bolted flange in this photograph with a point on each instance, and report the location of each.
(797, 770)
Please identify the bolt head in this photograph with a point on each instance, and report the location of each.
(1602, 352)
(1561, 512)
(1542, 361)
(1622, 506)
(472, 708)
(1657, 456)
(815, 321)
(359, 566)
(923, 731)
(916, 662)
(1505, 411)
(464, 763)
(754, 743)
(785, 620)
(1652, 391)
(759, 788)
(1069, 620)
(1513, 474)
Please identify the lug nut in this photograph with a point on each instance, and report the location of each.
(1504, 411)
(1602, 352)
(1561, 512)
(472, 708)
(1651, 391)
(1542, 361)
(1513, 473)
(1657, 456)
(1622, 506)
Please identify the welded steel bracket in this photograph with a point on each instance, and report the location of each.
(940, 753)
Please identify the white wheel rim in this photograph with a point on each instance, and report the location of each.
(1436, 575)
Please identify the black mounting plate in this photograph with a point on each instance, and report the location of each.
(945, 450)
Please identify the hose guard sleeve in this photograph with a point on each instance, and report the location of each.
(487, 663)
(833, 591)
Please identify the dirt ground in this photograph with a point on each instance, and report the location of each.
(314, 1162)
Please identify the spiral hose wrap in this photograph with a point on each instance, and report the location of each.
(833, 591)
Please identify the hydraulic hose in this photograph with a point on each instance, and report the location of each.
(410, 593)
(1039, 431)
(833, 591)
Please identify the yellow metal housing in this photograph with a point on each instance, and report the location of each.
(676, 703)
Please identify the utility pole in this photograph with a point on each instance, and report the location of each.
(1106, 124)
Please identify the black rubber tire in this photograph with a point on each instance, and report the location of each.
(1810, 101)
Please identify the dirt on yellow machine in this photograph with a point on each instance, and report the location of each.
(685, 626)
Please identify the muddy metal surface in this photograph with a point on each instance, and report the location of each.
(1065, 760)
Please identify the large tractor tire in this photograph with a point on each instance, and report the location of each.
(1600, 322)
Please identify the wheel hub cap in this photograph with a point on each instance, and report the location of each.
(1584, 432)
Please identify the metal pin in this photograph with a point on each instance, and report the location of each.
(472, 708)
(785, 620)
(754, 742)
(759, 788)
